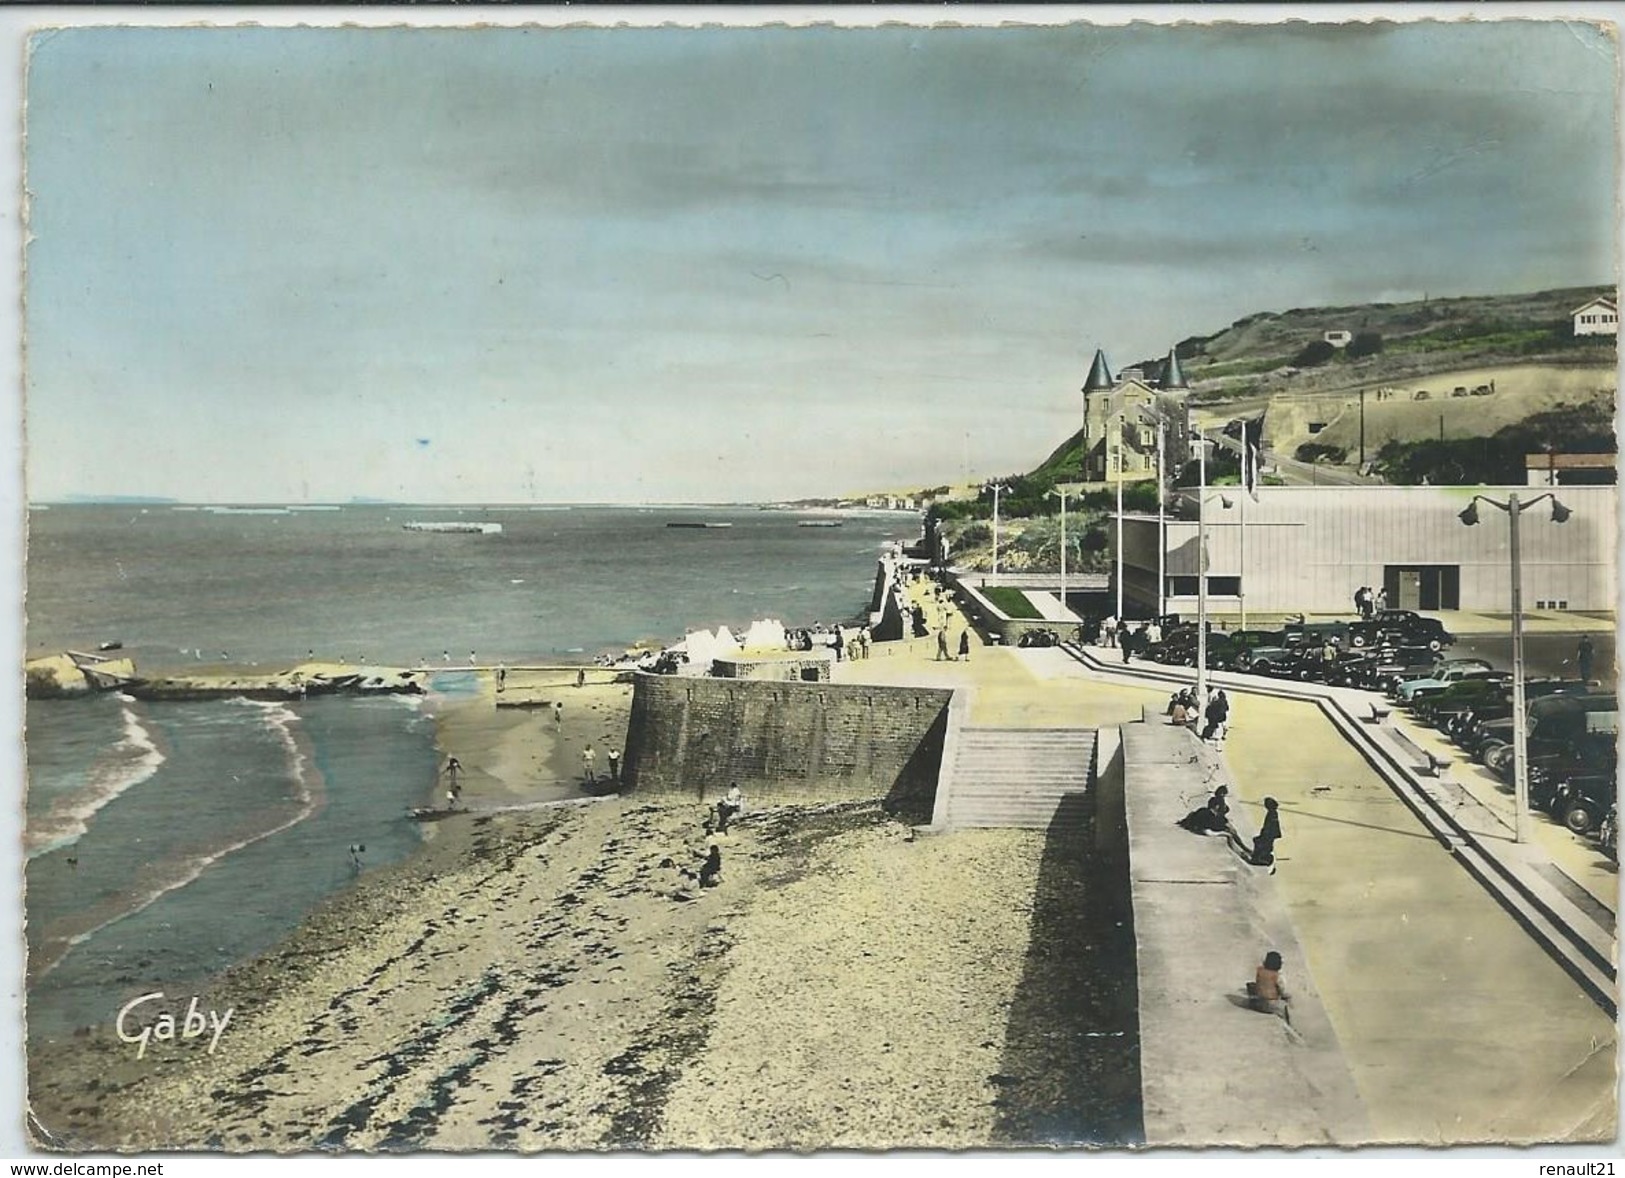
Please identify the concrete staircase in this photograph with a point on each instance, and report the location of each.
(1016, 777)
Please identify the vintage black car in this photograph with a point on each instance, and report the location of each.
(1576, 798)
(1401, 626)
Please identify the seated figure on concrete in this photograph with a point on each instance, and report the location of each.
(1265, 993)
(1211, 818)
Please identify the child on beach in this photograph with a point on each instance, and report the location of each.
(711, 869)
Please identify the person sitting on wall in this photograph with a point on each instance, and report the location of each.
(1211, 818)
(1265, 993)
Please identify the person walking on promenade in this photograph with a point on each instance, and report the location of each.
(942, 644)
(839, 643)
(964, 644)
(1380, 604)
(588, 757)
(1362, 601)
(1585, 656)
(1126, 639)
(614, 759)
(1264, 842)
(1265, 993)
(558, 714)
(581, 677)
(502, 678)
(1108, 632)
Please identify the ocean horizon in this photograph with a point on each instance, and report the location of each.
(167, 841)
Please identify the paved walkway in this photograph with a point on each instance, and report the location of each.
(1214, 1072)
(1456, 1025)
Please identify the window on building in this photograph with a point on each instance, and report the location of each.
(1224, 586)
(1145, 462)
(1182, 587)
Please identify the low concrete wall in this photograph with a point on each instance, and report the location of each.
(786, 741)
(1214, 1072)
(812, 669)
(997, 625)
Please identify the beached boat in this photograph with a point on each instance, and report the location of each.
(432, 813)
(103, 680)
(820, 523)
(696, 524)
(461, 527)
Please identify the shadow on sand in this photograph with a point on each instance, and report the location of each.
(1070, 1073)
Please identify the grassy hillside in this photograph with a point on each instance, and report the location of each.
(1521, 345)
(1265, 353)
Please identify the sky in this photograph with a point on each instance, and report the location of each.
(736, 264)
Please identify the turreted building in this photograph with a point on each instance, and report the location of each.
(1120, 417)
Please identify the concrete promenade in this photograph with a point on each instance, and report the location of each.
(1453, 1024)
(1457, 1025)
(1215, 1072)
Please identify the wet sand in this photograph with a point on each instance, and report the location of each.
(550, 978)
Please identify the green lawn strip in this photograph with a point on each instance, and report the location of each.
(1012, 603)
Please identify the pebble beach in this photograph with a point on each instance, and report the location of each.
(545, 974)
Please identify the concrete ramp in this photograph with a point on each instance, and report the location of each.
(1213, 1071)
(1015, 777)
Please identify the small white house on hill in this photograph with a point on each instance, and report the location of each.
(1598, 317)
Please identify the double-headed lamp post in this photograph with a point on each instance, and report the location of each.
(1520, 721)
(996, 488)
(1201, 572)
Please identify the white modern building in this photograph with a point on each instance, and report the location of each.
(1306, 549)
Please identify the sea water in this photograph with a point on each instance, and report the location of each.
(166, 840)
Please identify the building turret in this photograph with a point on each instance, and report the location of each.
(1100, 376)
(1172, 377)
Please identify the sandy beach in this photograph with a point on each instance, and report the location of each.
(552, 977)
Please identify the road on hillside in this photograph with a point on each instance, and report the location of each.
(1302, 474)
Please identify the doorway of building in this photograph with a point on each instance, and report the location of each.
(1425, 587)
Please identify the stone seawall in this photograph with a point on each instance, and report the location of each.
(785, 741)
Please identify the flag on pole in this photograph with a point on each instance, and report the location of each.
(1249, 463)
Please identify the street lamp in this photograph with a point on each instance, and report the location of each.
(1122, 425)
(1162, 534)
(996, 489)
(1520, 720)
(1061, 491)
(1201, 572)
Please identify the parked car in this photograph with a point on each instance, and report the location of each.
(1436, 707)
(1038, 638)
(1442, 675)
(1417, 690)
(1277, 661)
(1401, 626)
(1438, 669)
(1565, 731)
(1315, 634)
(1465, 724)
(1578, 800)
